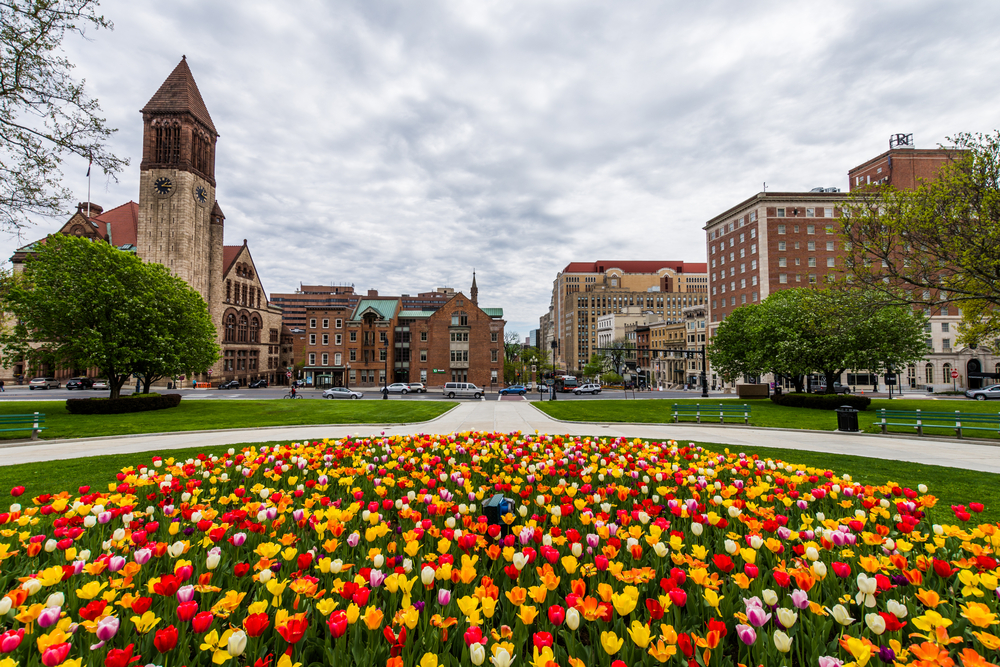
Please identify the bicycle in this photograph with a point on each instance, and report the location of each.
(291, 395)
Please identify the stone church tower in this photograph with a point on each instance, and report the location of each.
(176, 224)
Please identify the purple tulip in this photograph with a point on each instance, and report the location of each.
(444, 597)
(116, 563)
(142, 556)
(107, 628)
(353, 539)
(746, 634)
(886, 654)
(757, 617)
(49, 616)
(800, 599)
(185, 593)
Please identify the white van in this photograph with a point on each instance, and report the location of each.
(461, 389)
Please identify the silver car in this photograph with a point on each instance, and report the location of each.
(341, 392)
(43, 383)
(993, 391)
(418, 387)
(399, 388)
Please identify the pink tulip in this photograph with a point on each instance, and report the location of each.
(49, 616)
(239, 539)
(10, 640)
(757, 617)
(185, 593)
(746, 634)
(800, 599)
(142, 556)
(107, 628)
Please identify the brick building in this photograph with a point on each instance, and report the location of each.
(386, 339)
(178, 223)
(779, 240)
(584, 291)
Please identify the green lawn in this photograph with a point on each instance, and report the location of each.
(217, 414)
(951, 486)
(763, 413)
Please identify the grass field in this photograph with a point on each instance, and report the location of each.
(203, 415)
(763, 413)
(951, 486)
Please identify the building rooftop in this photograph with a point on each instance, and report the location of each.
(636, 266)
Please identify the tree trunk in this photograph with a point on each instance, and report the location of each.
(797, 381)
(830, 375)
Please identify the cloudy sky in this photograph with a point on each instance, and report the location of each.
(399, 145)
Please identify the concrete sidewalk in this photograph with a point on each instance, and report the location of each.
(509, 416)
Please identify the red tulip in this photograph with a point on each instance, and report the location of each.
(120, 657)
(942, 569)
(678, 597)
(293, 630)
(842, 570)
(601, 562)
(16, 491)
(751, 570)
(167, 585)
(55, 654)
(202, 622)
(187, 610)
(556, 615)
(542, 639)
(256, 624)
(337, 624)
(141, 605)
(165, 639)
(241, 569)
(781, 578)
(723, 562)
(474, 635)
(976, 507)
(655, 609)
(684, 641)
(93, 609)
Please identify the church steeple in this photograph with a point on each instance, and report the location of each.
(474, 292)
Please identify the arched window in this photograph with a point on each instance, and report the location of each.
(168, 143)
(254, 330)
(230, 334)
(929, 373)
(946, 372)
(242, 331)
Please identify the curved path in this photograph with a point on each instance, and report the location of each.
(508, 416)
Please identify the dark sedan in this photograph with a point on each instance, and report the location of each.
(232, 384)
(258, 384)
(80, 383)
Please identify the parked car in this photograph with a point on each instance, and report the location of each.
(418, 388)
(460, 389)
(837, 388)
(993, 391)
(232, 384)
(43, 383)
(258, 384)
(518, 389)
(529, 385)
(79, 383)
(341, 392)
(299, 383)
(399, 388)
(100, 383)
(587, 389)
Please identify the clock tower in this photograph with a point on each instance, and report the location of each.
(176, 225)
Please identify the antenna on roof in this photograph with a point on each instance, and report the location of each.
(765, 187)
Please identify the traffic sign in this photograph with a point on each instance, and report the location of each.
(954, 374)
(288, 375)
(210, 372)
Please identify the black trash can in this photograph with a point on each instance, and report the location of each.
(847, 419)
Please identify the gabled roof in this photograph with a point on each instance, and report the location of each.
(386, 308)
(122, 222)
(229, 255)
(179, 94)
(493, 312)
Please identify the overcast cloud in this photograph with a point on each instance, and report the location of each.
(399, 145)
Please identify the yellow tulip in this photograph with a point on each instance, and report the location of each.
(541, 658)
(145, 623)
(353, 613)
(640, 634)
(276, 588)
(90, 590)
(979, 614)
(489, 606)
(527, 614)
(429, 660)
(611, 643)
(373, 617)
(326, 606)
(624, 604)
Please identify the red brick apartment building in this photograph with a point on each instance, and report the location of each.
(434, 337)
(778, 240)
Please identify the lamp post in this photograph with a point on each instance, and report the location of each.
(385, 372)
(347, 376)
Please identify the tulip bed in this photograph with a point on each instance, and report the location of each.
(376, 551)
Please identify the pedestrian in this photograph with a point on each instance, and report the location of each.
(1, 386)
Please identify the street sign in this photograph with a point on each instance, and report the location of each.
(209, 372)
(890, 379)
(954, 374)
(288, 375)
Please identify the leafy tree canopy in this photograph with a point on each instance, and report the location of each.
(45, 114)
(800, 331)
(938, 244)
(85, 304)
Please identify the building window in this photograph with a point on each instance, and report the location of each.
(753, 296)
(325, 359)
(782, 278)
(312, 358)
(812, 261)
(829, 246)
(831, 262)
(381, 355)
(944, 327)
(423, 336)
(337, 359)
(812, 277)
(326, 339)
(326, 324)
(810, 213)
(810, 229)
(743, 298)
(354, 336)
(946, 346)
(828, 213)
(354, 376)
(811, 246)
(781, 214)
(423, 355)
(352, 354)
(312, 323)
(242, 330)
(338, 323)
(753, 280)
(732, 301)
(782, 261)
(781, 246)
(312, 339)
(494, 356)
(493, 336)
(338, 339)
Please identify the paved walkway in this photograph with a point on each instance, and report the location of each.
(508, 416)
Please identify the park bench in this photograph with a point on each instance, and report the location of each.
(921, 419)
(712, 411)
(31, 423)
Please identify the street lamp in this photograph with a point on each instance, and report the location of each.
(385, 372)
(347, 376)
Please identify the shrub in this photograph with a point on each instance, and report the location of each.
(117, 406)
(822, 401)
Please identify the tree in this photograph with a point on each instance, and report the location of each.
(83, 304)
(938, 244)
(512, 355)
(617, 352)
(45, 114)
(796, 332)
(596, 366)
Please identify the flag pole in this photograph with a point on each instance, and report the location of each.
(89, 164)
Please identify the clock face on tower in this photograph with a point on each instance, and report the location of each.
(200, 194)
(163, 186)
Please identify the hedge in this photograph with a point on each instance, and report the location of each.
(822, 401)
(117, 406)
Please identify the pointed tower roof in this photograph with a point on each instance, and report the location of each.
(474, 292)
(179, 94)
